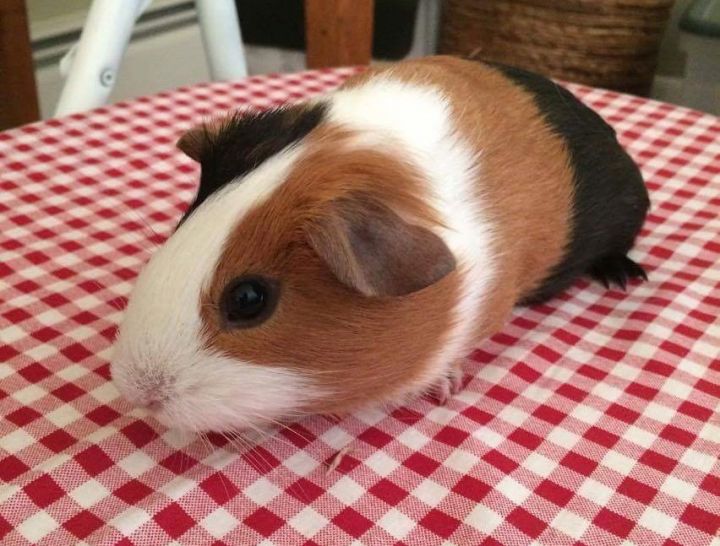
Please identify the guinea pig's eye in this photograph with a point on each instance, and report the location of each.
(247, 301)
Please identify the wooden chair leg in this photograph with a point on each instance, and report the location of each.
(18, 93)
(338, 32)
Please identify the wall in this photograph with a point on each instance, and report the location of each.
(48, 10)
(689, 67)
(158, 60)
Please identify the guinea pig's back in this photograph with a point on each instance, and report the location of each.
(610, 200)
(564, 198)
(523, 179)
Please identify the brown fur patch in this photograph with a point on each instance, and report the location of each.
(525, 179)
(361, 348)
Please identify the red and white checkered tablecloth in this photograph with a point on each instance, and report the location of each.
(593, 419)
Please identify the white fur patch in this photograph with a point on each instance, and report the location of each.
(420, 119)
(159, 352)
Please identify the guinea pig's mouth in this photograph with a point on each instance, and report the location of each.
(161, 411)
(154, 407)
(152, 399)
(209, 392)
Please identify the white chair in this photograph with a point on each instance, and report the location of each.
(91, 66)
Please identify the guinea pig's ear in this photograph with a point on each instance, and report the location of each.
(373, 250)
(196, 141)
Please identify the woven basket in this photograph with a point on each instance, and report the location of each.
(604, 43)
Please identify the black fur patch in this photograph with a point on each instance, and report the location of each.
(247, 140)
(610, 199)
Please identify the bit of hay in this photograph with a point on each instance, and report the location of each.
(337, 459)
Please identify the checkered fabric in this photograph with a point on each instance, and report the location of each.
(593, 419)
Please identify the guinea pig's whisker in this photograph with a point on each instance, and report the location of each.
(205, 442)
(184, 457)
(288, 428)
(111, 302)
(185, 440)
(188, 459)
(281, 439)
(237, 440)
(223, 478)
(253, 458)
(227, 438)
(154, 236)
(263, 434)
(270, 435)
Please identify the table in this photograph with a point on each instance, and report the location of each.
(592, 419)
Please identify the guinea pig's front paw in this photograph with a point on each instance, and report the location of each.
(449, 384)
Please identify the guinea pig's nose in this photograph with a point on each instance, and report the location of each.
(152, 404)
(144, 391)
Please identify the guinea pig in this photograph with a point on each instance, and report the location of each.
(353, 249)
